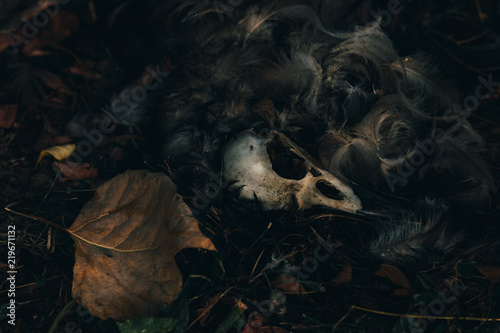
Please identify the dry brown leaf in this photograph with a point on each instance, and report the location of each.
(492, 273)
(242, 306)
(254, 323)
(126, 238)
(7, 115)
(288, 284)
(345, 276)
(60, 26)
(74, 171)
(395, 275)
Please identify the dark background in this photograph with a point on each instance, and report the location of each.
(87, 53)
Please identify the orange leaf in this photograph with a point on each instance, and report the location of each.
(126, 238)
(75, 171)
(395, 275)
(288, 284)
(345, 276)
(492, 273)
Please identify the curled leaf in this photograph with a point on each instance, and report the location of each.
(126, 238)
(395, 275)
(58, 152)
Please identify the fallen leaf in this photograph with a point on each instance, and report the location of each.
(492, 273)
(242, 306)
(289, 284)
(254, 322)
(395, 275)
(126, 238)
(75, 171)
(254, 325)
(7, 115)
(59, 27)
(58, 152)
(345, 276)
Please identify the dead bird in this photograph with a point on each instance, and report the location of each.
(386, 128)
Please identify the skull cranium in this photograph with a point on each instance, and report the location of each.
(248, 161)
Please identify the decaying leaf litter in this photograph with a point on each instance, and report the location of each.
(246, 280)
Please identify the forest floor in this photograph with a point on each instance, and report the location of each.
(64, 67)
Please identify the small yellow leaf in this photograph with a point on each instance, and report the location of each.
(58, 152)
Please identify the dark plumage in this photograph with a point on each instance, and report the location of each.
(374, 119)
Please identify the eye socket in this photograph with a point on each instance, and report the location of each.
(328, 190)
(285, 163)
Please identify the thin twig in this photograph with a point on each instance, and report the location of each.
(342, 319)
(402, 315)
(208, 309)
(36, 218)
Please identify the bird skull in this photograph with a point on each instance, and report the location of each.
(248, 161)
